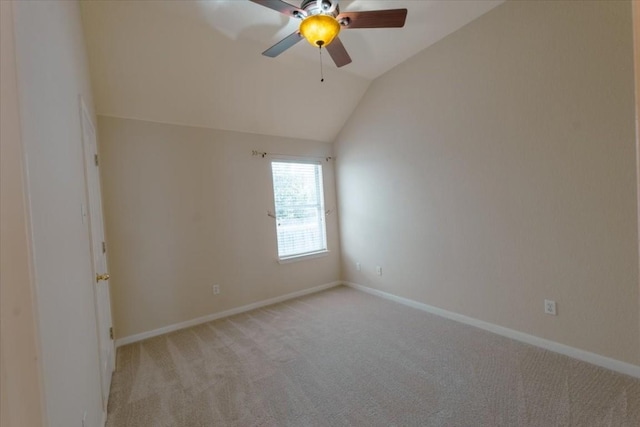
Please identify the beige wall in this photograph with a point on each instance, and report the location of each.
(52, 73)
(636, 44)
(185, 208)
(497, 168)
(20, 371)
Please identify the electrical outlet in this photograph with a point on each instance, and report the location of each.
(378, 270)
(216, 289)
(358, 266)
(550, 307)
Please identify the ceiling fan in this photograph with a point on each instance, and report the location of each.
(322, 21)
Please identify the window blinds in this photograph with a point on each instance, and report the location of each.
(299, 205)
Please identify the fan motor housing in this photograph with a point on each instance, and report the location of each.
(311, 8)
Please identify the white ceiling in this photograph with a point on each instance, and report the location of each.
(374, 51)
(199, 62)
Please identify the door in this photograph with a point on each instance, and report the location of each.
(98, 253)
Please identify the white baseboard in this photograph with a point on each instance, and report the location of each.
(585, 356)
(208, 318)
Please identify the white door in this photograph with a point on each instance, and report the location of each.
(98, 253)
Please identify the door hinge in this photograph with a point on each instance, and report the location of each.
(111, 332)
(95, 159)
(104, 248)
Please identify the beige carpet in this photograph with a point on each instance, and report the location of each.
(345, 358)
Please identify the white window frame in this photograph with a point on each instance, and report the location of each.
(320, 207)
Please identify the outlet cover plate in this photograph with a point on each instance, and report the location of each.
(550, 307)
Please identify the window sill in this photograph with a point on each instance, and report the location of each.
(302, 257)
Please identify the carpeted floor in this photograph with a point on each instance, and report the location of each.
(345, 358)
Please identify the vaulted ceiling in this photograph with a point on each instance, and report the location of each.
(199, 62)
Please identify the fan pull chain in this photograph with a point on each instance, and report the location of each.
(321, 73)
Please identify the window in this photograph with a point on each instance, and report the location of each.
(299, 203)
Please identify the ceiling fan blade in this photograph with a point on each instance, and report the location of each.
(282, 7)
(390, 18)
(283, 45)
(338, 53)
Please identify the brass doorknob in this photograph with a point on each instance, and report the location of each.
(102, 277)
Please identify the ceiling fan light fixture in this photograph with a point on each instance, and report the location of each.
(319, 30)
